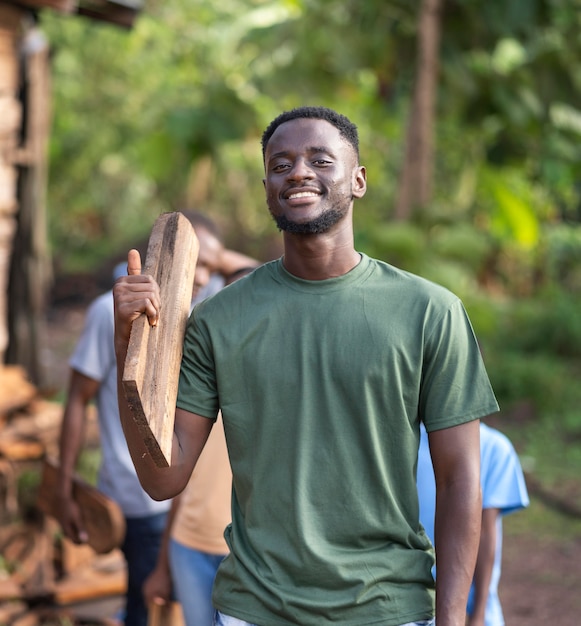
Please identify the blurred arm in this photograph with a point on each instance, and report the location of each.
(80, 393)
(157, 588)
(484, 566)
(232, 261)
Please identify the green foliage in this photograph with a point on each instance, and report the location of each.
(193, 80)
(171, 112)
(464, 244)
(561, 256)
(401, 244)
(538, 378)
(549, 323)
(450, 274)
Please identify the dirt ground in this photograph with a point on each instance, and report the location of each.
(540, 581)
(541, 576)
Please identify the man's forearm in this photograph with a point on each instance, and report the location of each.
(458, 514)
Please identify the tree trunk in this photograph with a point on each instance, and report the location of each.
(415, 186)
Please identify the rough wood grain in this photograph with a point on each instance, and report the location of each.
(152, 365)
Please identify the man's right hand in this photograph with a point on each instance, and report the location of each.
(133, 295)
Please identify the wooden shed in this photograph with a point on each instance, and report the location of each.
(25, 115)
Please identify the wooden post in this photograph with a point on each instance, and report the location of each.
(152, 365)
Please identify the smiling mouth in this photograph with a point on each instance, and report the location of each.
(303, 194)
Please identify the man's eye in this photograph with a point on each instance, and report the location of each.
(321, 162)
(279, 167)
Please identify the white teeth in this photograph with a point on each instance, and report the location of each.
(303, 194)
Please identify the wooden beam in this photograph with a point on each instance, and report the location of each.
(152, 366)
(118, 15)
(66, 6)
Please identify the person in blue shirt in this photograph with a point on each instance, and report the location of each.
(504, 491)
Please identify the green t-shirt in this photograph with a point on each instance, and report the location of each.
(322, 385)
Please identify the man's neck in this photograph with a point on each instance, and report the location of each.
(315, 257)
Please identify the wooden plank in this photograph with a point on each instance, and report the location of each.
(150, 377)
(167, 615)
(102, 516)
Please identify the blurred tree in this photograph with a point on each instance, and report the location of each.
(415, 185)
(182, 100)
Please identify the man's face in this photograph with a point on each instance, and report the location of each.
(311, 176)
(209, 257)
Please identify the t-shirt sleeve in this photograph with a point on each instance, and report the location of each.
(197, 391)
(455, 387)
(94, 353)
(503, 483)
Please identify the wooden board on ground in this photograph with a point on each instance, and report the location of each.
(105, 576)
(103, 517)
(151, 372)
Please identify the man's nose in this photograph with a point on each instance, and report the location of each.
(300, 170)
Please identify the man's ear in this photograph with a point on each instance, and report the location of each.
(359, 181)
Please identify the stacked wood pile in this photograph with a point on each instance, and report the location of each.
(44, 578)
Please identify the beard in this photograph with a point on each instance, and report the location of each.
(319, 225)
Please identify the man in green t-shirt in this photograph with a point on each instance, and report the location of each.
(324, 363)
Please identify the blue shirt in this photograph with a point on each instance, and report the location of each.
(503, 488)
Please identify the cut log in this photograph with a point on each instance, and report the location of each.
(102, 516)
(152, 365)
(15, 390)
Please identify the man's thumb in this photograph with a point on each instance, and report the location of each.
(133, 262)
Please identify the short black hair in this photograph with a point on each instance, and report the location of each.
(344, 125)
(201, 220)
